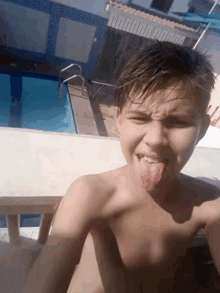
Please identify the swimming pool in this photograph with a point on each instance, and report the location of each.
(30, 100)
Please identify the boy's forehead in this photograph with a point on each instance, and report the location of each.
(169, 100)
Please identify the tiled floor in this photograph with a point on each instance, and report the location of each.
(94, 113)
(83, 113)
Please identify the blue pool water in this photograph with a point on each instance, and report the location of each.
(25, 221)
(31, 101)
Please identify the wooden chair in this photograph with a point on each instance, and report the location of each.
(17, 256)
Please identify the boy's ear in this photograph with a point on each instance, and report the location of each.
(204, 126)
(118, 119)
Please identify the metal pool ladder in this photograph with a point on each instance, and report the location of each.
(71, 77)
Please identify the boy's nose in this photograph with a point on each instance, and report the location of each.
(155, 134)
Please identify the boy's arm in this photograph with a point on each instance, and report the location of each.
(54, 267)
(212, 229)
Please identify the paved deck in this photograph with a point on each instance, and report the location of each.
(95, 115)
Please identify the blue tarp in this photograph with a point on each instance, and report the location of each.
(213, 19)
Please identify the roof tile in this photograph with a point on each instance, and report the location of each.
(148, 16)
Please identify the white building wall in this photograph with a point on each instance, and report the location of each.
(93, 6)
(143, 3)
(211, 42)
(70, 43)
(179, 6)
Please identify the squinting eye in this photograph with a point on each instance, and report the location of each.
(134, 118)
(179, 123)
(140, 119)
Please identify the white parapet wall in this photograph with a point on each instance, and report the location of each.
(42, 163)
(211, 139)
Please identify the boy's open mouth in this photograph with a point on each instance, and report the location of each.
(151, 160)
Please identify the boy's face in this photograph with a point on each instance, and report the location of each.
(166, 133)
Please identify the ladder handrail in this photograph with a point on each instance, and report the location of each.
(74, 76)
(71, 65)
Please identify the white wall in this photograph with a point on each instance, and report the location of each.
(93, 6)
(70, 43)
(214, 50)
(42, 163)
(179, 6)
(211, 139)
(211, 40)
(143, 3)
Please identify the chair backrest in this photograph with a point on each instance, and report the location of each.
(13, 207)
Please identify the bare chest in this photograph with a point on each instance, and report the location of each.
(148, 243)
(152, 239)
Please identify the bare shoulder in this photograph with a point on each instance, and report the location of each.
(90, 183)
(91, 190)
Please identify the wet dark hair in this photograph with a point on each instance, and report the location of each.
(162, 65)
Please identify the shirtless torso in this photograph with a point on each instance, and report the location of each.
(140, 244)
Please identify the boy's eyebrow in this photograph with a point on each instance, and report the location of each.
(182, 115)
(138, 112)
(171, 115)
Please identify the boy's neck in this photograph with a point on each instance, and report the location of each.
(167, 196)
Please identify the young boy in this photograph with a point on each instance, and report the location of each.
(143, 216)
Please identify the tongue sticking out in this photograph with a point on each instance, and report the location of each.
(151, 173)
